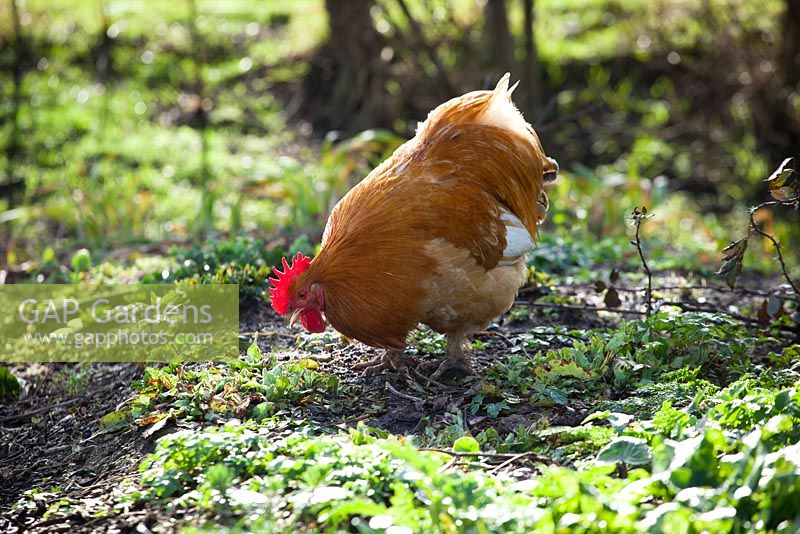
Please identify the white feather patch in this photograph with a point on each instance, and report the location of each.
(518, 239)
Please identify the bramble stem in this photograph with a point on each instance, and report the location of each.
(638, 218)
(755, 228)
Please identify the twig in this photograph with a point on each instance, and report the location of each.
(750, 321)
(37, 411)
(682, 305)
(205, 219)
(639, 216)
(755, 228)
(453, 461)
(67, 402)
(519, 457)
(429, 380)
(356, 419)
(274, 333)
(391, 388)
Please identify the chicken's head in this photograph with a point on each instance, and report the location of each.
(293, 298)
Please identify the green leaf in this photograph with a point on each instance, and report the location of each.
(466, 444)
(495, 408)
(786, 193)
(263, 410)
(619, 421)
(626, 450)
(115, 420)
(781, 175)
(81, 261)
(308, 363)
(732, 261)
(253, 351)
(597, 416)
(219, 476)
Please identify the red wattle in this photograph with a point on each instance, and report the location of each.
(312, 320)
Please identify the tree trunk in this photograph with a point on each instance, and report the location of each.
(790, 53)
(532, 73)
(352, 75)
(499, 43)
(787, 121)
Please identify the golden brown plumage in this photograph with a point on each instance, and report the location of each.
(438, 233)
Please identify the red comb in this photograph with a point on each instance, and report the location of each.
(280, 282)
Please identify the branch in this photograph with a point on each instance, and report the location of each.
(638, 217)
(755, 228)
(391, 388)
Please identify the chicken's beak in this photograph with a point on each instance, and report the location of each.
(291, 318)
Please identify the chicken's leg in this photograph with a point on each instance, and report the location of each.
(456, 358)
(394, 360)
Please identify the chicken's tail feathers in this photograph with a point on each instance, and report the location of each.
(502, 88)
(495, 108)
(499, 109)
(469, 108)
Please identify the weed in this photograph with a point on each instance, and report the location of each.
(636, 353)
(73, 379)
(9, 384)
(244, 261)
(256, 386)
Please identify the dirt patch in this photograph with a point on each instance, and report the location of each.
(52, 445)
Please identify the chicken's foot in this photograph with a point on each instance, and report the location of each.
(456, 358)
(394, 360)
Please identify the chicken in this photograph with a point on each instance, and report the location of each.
(438, 234)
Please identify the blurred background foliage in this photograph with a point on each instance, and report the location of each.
(137, 123)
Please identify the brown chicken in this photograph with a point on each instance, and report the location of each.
(437, 234)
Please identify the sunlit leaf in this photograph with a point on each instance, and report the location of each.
(115, 420)
(781, 175)
(625, 450)
(466, 444)
(308, 363)
(786, 193)
(156, 427)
